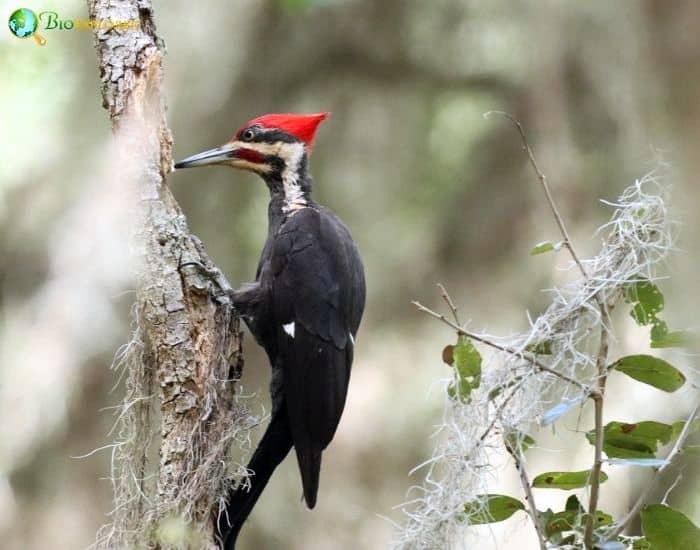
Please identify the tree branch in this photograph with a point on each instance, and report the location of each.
(534, 362)
(529, 496)
(186, 321)
(598, 401)
(543, 181)
(449, 302)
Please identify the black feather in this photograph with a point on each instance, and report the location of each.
(310, 274)
(318, 285)
(273, 447)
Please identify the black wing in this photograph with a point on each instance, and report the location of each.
(318, 295)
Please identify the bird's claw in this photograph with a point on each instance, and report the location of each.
(214, 275)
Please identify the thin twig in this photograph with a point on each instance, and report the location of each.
(529, 496)
(543, 181)
(499, 410)
(534, 362)
(449, 302)
(601, 367)
(671, 488)
(639, 503)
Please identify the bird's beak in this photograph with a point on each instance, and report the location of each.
(219, 155)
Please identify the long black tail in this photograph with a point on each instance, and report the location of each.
(310, 468)
(272, 449)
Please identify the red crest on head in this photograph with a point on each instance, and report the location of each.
(303, 127)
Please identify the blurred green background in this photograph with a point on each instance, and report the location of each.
(431, 190)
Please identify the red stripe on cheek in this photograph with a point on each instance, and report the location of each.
(250, 155)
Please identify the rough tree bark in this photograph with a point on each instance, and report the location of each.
(190, 334)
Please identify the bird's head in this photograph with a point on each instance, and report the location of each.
(269, 145)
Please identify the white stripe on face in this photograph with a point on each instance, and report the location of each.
(291, 154)
(262, 148)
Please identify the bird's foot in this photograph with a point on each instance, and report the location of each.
(245, 295)
(215, 276)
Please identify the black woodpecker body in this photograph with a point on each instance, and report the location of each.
(304, 307)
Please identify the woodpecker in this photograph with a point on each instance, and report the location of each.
(304, 307)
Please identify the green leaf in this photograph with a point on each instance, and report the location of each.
(641, 544)
(541, 248)
(677, 428)
(564, 480)
(651, 370)
(676, 339)
(467, 360)
(572, 517)
(601, 518)
(517, 442)
(647, 299)
(573, 503)
(491, 509)
(647, 302)
(495, 392)
(563, 521)
(638, 440)
(459, 389)
(659, 331)
(641, 315)
(668, 529)
(540, 348)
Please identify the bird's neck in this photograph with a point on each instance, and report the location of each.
(289, 191)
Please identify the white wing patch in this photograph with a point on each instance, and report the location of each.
(352, 338)
(289, 328)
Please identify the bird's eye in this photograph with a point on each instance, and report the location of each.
(248, 135)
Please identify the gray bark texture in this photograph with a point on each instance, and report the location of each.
(186, 353)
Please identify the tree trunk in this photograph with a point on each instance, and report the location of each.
(187, 342)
